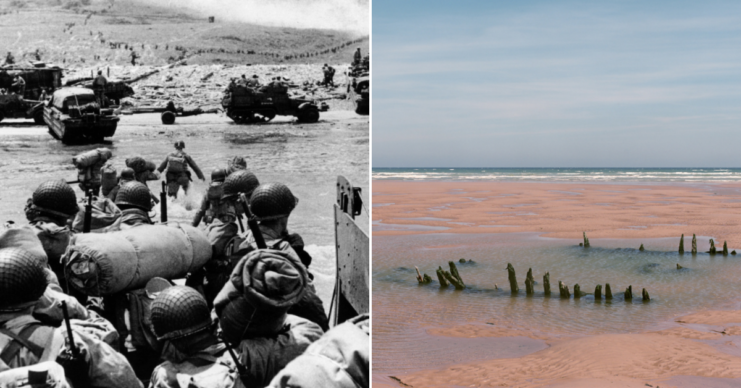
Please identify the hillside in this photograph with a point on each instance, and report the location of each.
(96, 33)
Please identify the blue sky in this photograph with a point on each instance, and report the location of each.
(556, 83)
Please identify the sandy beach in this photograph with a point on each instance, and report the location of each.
(669, 342)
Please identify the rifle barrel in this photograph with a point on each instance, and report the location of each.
(252, 223)
(72, 345)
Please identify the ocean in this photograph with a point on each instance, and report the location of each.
(601, 175)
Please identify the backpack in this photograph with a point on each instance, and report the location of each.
(216, 207)
(177, 163)
(202, 374)
(22, 340)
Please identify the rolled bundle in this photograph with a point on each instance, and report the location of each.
(90, 158)
(105, 264)
(137, 163)
(109, 178)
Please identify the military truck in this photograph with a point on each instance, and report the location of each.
(37, 77)
(246, 105)
(14, 107)
(74, 114)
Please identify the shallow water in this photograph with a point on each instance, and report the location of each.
(307, 158)
(401, 307)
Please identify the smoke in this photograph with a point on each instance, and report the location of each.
(346, 15)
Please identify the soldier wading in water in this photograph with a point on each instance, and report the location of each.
(178, 174)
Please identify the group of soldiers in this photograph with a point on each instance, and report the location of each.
(187, 338)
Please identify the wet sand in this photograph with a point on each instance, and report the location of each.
(559, 210)
(698, 349)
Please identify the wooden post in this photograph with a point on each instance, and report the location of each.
(646, 298)
(454, 281)
(454, 272)
(529, 283)
(712, 247)
(694, 244)
(725, 248)
(681, 245)
(563, 290)
(629, 293)
(608, 292)
(419, 275)
(577, 291)
(641, 248)
(679, 266)
(598, 292)
(547, 284)
(512, 278)
(441, 278)
(586, 240)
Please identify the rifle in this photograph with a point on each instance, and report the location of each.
(241, 369)
(163, 203)
(252, 223)
(72, 346)
(87, 223)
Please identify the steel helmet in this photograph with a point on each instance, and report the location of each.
(179, 144)
(179, 311)
(272, 201)
(128, 174)
(135, 194)
(241, 181)
(56, 199)
(218, 175)
(22, 279)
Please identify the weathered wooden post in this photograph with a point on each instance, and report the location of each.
(629, 293)
(547, 284)
(681, 245)
(512, 278)
(598, 292)
(608, 292)
(577, 291)
(453, 280)
(694, 244)
(641, 248)
(529, 283)
(441, 278)
(712, 247)
(679, 266)
(422, 279)
(586, 240)
(725, 248)
(462, 261)
(646, 298)
(563, 290)
(454, 272)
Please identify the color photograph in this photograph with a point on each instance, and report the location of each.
(556, 196)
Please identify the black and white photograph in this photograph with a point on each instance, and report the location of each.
(185, 193)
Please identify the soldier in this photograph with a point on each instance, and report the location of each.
(181, 317)
(127, 175)
(133, 57)
(272, 204)
(90, 176)
(253, 82)
(178, 174)
(37, 54)
(211, 206)
(357, 57)
(99, 85)
(235, 164)
(19, 85)
(26, 341)
(9, 60)
(135, 201)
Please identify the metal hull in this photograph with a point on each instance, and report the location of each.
(69, 129)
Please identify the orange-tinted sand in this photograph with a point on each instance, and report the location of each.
(563, 210)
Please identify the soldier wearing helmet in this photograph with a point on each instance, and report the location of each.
(52, 202)
(235, 164)
(135, 201)
(26, 341)
(178, 174)
(271, 204)
(127, 175)
(211, 205)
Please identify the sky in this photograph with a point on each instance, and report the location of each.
(556, 83)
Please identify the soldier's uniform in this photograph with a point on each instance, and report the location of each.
(26, 341)
(211, 205)
(235, 164)
(357, 57)
(99, 85)
(135, 201)
(178, 175)
(19, 86)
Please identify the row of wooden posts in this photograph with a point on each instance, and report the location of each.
(453, 277)
(712, 250)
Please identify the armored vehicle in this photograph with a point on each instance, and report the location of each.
(246, 105)
(14, 107)
(74, 114)
(37, 78)
(115, 90)
(362, 91)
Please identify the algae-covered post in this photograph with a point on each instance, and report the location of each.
(646, 298)
(725, 248)
(529, 283)
(608, 291)
(679, 266)
(577, 291)
(512, 278)
(454, 281)
(563, 290)
(629, 293)
(547, 284)
(598, 292)
(694, 244)
(586, 240)
(441, 278)
(681, 245)
(454, 272)
(426, 279)
(641, 248)
(419, 275)
(712, 247)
